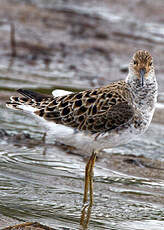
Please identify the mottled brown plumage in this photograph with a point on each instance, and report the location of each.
(92, 110)
(96, 111)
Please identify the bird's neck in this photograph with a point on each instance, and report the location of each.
(144, 96)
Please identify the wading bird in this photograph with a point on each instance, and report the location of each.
(108, 116)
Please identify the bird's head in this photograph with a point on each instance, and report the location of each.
(141, 67)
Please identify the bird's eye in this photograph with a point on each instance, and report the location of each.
(150, 64)
(135, 62)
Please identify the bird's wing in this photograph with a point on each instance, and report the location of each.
(97, 110)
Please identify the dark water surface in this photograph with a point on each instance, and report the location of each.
(43, 180)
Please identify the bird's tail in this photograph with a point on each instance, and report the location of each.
(30, 102)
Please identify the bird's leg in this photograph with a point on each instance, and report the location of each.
(86, 181)
(87, 219)
(91, 174)
(85, 215)
(89, 178)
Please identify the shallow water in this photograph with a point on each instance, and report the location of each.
(48, 188)
(43, 180)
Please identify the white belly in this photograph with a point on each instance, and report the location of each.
(88, 143)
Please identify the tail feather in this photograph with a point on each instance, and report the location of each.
(31, 101)
(21, 103)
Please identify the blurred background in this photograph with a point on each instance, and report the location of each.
(76, 45)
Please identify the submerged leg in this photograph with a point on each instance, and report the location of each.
(44, 137)
(44, 142)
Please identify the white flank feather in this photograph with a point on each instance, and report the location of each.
(60, 92)
(27, 108)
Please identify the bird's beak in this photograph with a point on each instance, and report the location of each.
(142, 73)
